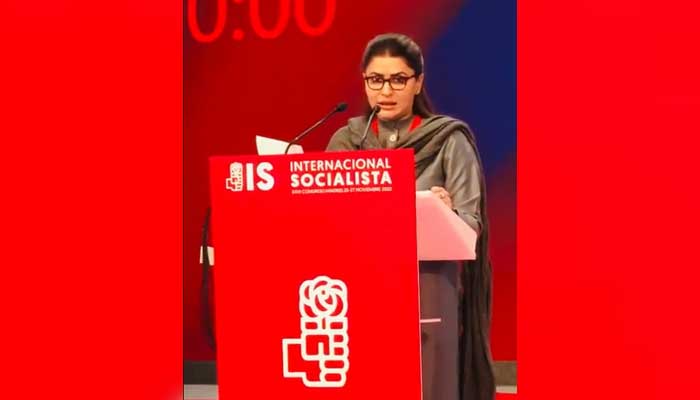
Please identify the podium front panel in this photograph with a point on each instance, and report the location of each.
(316, 276)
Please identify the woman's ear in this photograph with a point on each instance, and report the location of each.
(419, 84)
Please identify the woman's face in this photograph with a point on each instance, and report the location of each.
(395, 96)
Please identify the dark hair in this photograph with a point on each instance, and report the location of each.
(398, 45)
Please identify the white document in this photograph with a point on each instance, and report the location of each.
(268, 146)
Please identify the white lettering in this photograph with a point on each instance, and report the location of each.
(386, 178)
(266, 180)
(307, 180)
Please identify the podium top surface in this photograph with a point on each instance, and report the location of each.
(441, 233)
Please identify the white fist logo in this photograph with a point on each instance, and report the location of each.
(234, 182)
(321, 353)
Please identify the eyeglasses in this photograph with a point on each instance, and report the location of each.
(397, 82)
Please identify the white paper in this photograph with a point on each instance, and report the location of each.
(268, 146)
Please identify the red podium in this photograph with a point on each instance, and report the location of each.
(316, 276)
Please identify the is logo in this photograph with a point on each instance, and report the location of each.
(320, 356)
(250, 177)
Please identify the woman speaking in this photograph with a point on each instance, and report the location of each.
(456, 355)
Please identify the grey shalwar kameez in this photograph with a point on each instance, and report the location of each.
(444, 156)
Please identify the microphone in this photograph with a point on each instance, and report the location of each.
(375, 110)
(340, 107)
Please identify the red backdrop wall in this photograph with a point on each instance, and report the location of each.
(243, 77)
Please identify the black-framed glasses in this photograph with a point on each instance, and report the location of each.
(396, 82)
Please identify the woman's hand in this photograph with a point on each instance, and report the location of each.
(443, 195)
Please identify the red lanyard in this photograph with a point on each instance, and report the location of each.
(414, 124)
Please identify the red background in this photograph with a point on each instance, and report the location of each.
(91, 168)
(235, 89)
(607, 203)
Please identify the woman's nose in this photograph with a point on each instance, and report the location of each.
(386, 89)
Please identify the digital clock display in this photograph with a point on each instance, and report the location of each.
(287, 10)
